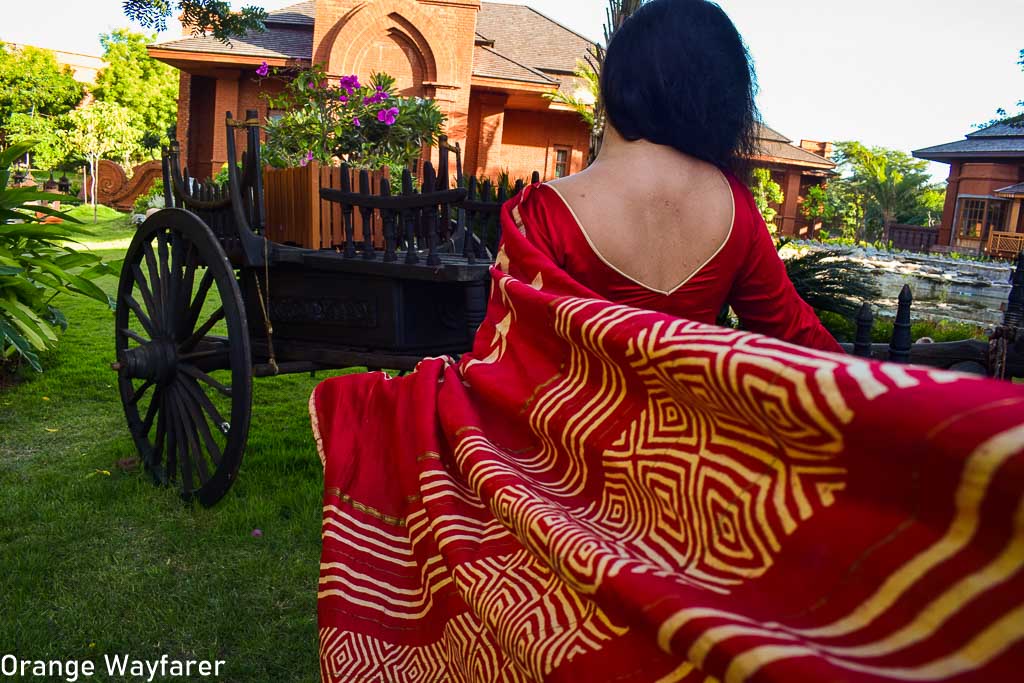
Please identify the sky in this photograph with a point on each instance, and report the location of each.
(903, 74)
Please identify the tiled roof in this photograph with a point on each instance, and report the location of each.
(300, 14)
(791, 154)
(1013, 128)
(490, 63)
(280, 42)
(773, 144)
(1004, 139)
(526, 36)
(766, 133)
(1014, 190)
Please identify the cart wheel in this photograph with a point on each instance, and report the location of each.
(183, 361)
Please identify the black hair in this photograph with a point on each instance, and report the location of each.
(677, 73)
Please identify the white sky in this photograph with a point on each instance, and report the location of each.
(898, 73)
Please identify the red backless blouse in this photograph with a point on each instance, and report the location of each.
(746, 271)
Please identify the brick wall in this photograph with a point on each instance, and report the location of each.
(529, 138)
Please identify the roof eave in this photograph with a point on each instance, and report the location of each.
(172, 57)
(825, 166)
(947, 157)
(509, 85)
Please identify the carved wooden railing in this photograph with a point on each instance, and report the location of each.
(1005, 243)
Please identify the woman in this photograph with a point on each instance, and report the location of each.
(606, 492)
(661, 220)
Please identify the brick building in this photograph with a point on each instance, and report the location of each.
(795, 169)
(985, 194)
(487, 64)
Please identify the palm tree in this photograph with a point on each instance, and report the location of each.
(589, 71)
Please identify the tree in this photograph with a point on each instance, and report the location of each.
(31, 82)
(204, 16)
(1002, 116)
(138, 82)
(888, 185)
(101, 130)
(766, 192)
(49, 134)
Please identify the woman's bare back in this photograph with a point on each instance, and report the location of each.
(650, 213)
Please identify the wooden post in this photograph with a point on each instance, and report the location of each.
(899, 346)
(862, 340)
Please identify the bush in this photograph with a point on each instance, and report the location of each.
(151, 198)
(36, 265)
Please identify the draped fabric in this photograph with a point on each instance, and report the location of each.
(602, 493)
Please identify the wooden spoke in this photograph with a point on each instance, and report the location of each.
(144, 290)
(196, 392)
(191, 428)
(198, 335)
(196, 309)
(133, 335)
(140, 392)
(158, 444)
(187, 283)
(150, 258)
(186, 441)
(165, 278)
(140, 314)
(196, 373)
(154, 405)
(199, 420)
(200, 355)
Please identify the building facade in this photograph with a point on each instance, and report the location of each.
(488, 65)
(985, 195)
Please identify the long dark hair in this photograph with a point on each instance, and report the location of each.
(677, 73)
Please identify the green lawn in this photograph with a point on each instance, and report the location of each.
(95, 560)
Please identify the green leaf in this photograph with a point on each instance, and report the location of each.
(8, 333)
(34, 328)
(10, 270)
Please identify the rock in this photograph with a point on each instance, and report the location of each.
(137, 218)
(150, 212)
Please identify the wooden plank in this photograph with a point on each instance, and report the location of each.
(312, 196)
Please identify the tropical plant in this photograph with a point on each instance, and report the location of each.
(36, 264)
(888, 186)
(101, 130)
(31, 82)
(583, 105)
(368, 126)
(215, 17)
(830, 281)
(138, 82)
(766, 193)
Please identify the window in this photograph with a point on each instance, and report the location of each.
(274, 114)
(562, 157)
(979, 216)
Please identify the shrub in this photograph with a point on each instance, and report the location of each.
(151, 198)
(36, 265)
(368, 126)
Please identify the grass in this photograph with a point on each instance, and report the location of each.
(95, 560)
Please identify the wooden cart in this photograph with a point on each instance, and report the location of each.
(205, 302)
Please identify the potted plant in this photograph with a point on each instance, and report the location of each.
(326, 122)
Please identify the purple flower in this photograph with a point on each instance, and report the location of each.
(356, 122)
(306, 159)
(350, 83)
(257, 533)
(388, 116)
(263, 71)
(376, 98)
(343, 99)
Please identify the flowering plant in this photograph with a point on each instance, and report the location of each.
(366, 125)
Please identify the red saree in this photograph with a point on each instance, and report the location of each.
(601, 493)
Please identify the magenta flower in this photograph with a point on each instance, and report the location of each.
(257, 533)
(306, 159)
(263, 71)
(350, 83)
(377, 97)
(388, 116)
(343, 99)
(356, 122)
